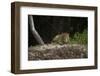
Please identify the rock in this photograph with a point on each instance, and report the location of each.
(56, 51)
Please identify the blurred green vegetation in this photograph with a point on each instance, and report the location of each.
(79, 38)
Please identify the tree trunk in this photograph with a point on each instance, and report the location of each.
(34, 32)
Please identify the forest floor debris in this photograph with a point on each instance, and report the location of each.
(57, 51)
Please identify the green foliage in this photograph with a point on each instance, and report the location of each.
(79, 38)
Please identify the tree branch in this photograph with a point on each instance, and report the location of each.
(34, 32)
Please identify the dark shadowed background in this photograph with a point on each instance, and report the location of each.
(49, 26)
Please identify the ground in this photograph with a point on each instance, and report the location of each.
(57, 51)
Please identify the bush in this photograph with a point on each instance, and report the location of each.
(79, 38)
